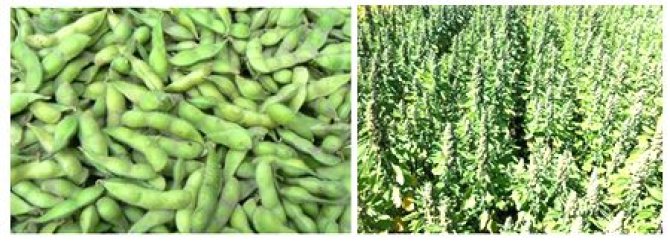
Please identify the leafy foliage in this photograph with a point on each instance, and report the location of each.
(510, 119)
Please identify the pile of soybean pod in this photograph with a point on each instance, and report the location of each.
(180, 120)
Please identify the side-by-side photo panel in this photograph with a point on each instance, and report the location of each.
(509, 119)
(180, 120)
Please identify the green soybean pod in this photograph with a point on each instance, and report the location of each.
(190, 80)
(208, 124)
(144, 99)
(323, 109)
(110, 211)
(209, 191)
(250, 89)
(300, 77)
(236, 139)
(232, 161)
(254, 54)
(183, 19)
(116, 106)
(176, 31)
(266, 222)
(178, 148)
(306, 146)
(66, 208)
(230, 196)
(294, 167)
(268, 84)
(283, 76)
(314, 39)
(163, 122)
(106, 55)
(71, 166)
(291, 40)
(32, 194)
(49, 113)
(258, 19)
(69, 227)
(90, 135)
(326, 86)
(240, 221)
(303, 223)
(160, 229)
(283, 95)
(183, 216)
(201, 52)
(273, 36)
(65, 131)
(344, 110)
(324, 188)
(19, 101)
(246, 104)
(59, 187)
(86, 24)
(141, 35)
(345, 220)
(44, 137)
(311, 209)
(121, 167)
(23, 20)
(207, 37)
(228, 62)
(224, 15)
(240, 30)
(17, 206)
(336, 172)
(51, 227)
(143, 71)
(48, 88)
(265, 148)
(246, 170)
(328, 216)
(225, 85)
(245, 118)
(298, 194)
(35, 170)
(132, 213)
(206, 19)
(289, 17)
(183, 45)
(146, 198)
(151, 219)
(332, 144)
(154, 154)
(74, 68)
(209, 90)
(241, 16)
(335, 57)
(280, 113)
(273, 14)
(249, 206)
(66, 50)
(158, 55)
(121, 27)
(66, 95)
(266, 184)
(120, 64)
(28, 60)
(15, 133)
(89, 219)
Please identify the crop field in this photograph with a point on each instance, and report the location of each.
(495, 119)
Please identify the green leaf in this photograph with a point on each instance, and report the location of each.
(656, 193)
